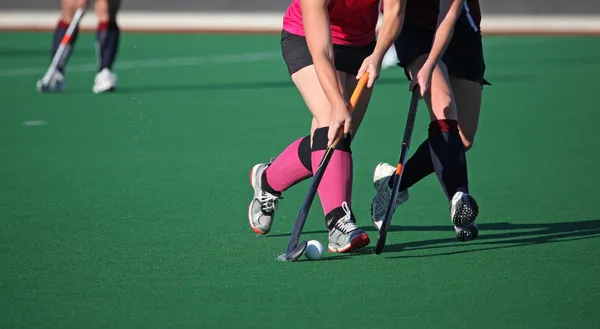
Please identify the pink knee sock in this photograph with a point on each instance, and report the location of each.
(289, 168)
(336, 185)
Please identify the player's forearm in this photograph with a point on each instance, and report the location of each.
(318, 39)
(445, 30)
(393, 18)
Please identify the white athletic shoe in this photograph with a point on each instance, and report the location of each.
(263, 205)
(467, 233)
(105, 81)
(463, 209)
(344, 235)
(56, 84)
(463, 212)
(381, 177)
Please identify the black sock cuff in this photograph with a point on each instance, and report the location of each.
(334, 216)
(304, 153)
(264, 183)
(112, 25)
(444, 125)
(320, 140)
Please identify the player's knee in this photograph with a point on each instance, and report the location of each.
(442, 106)
(468, 138)
(468, 143)
(106, 10)
(69, 8)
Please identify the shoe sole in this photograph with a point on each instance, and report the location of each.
(377, 226)
(41, 88)
(357, 242)
(379, 188)
(466, 212)
(103, 90)
(255, 229)
(104, 87)
(468, 234)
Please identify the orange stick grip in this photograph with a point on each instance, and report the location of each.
(360, 87)
(399, 169)
(362, 83)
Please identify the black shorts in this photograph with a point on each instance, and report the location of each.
(463, 56)
(348, 59)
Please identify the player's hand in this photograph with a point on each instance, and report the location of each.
(423, 78)
(340, 122)
(372, 65)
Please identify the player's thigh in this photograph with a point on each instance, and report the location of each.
(69, 7)
(307, 83)
(107, 10)
(466, 67)
(300, 67)
(467, 95)
(412, 47)
(439, 99)
(349, 60)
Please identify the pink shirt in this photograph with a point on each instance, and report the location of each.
(353, 22)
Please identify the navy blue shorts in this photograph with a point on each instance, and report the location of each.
(463, 56)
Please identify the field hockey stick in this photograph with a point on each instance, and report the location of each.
(410, 122)
(58, 56)
(295, 250)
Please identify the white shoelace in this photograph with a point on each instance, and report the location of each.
(267, 202)
(346, 224)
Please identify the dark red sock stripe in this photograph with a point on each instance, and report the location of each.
(103, 26)
(443, 125)
(62, 24)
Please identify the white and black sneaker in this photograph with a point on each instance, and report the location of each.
(382, 175)
(468, 233)
(463, 212)
(344, 235)
(262, 208)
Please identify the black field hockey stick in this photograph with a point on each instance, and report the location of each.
(63, 48)
(410, 122)
(295, 249)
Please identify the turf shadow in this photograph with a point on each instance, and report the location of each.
(510, 236)
(491, 236)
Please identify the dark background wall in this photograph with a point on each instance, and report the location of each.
(489, 6)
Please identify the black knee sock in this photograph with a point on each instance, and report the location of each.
(59, 34)
(448, 156)
(107, 36)
(416, 168)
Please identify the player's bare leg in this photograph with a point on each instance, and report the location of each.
(57, 82)
(467, 95)
(443, 150)
(301, 159)
(107, 44)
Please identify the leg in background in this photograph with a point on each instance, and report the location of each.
(68, 8)
(442, 152)
(107, 38)
(446, 146)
